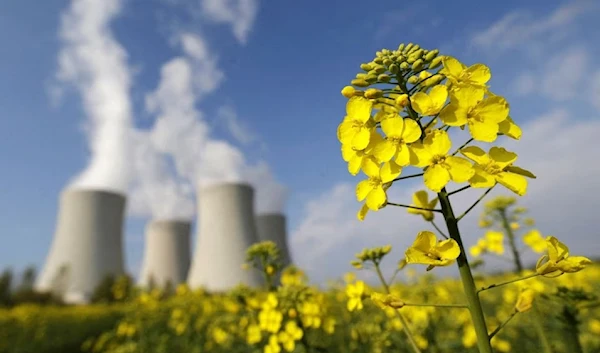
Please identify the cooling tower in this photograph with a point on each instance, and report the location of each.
(167, 254)
(87, 244)
(226, 229)
(272, 227)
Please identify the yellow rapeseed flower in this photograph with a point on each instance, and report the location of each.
(356, 128)
(400, 133)
(427, 250)
(497, 166)
(441, 168)
(558, 260)
(430, 104)
(290, 335)
(273, 345)
(387, 300)
(476, 75)
(362, 212)
(357, 159)
(253, 335)
(525, 300)
(372, 189)
(535, 241)
(478, 248)
(421, 199)
(270, 320)
(482, 115)
(495, 242)
(509, 128)
(355, 293)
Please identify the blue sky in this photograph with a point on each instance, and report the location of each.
(280, 70)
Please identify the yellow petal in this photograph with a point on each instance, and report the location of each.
(452, 67)
(355, 164)
(403, 155)
(385, 150)
(422, 156)
(573, 264)
(438, 142)
(475, 154)
(479, 73)
(467, 96)
(436, 177)
(439, 95)
(346, 131)
(363, 188)
(421, 198)
(421, 103)
(459, 168)
(502, 157)
(411, 132)
(392, 127)
(389, 171)
(492, 109)
(513, 182)
(360, 141)
(448, 249)
(376, 199)
(359, 108)
(425, 241)
(414, 256)
(453, 115)
(520, 171)
(482, 179)
(371, 168)
(348, 152)
(483, 131)
(556, 249)
(509, 128)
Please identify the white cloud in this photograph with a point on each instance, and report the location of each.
(94, 62)
(594, 90)
(236, 128)
(562, 199)
(524, 83)
(519, 27)
(240, 14)
(562, 76)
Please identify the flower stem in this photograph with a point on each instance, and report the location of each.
(483, 342)
(541, 331)
(511, 241)
(463, 145)
(415, 207)
(439, 230)
(438, 305)
(409, 334)
(475, 204)
(459, 190)
(503, 324)
(508, 282)
(408, 177)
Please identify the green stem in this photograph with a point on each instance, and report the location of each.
(541, 332)
(503, 324)
(475, 204)
(415, 207)
(483, 342)
(463, 145)
(409, 334)
(438, 229)
(508, 282)
(408, 177)
(438, 305)
(459, 190)
(511, 241)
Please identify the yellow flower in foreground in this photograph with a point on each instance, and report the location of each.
(509, 128)
(441, 168)
(430, 104)
(476, 75)
(525, 300)
(399, 132)
(357, 159)
(535, 241)
(356, 128)
(497, 167)
(387, 300)
(372, 189)
(421, 199)
(427, 250)
(290, 335)
(495, 242)
(482, 115)
(362, 213)
(558, 259)
(355, 293)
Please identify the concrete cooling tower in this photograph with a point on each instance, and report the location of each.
(226, 229)
(272, 226)
(167, 254)
(87, 244)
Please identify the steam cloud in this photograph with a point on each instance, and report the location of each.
(160, 168)
(94, 62)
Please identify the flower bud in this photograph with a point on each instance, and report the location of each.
(431, 55)
(378, 60)
(435, 79)
(386, 249)
(373, 93)
(435, 62)
(424, 75)
(378, 54)
(418, 65)
(408, 47)
(366, 66)
(379, 69)
(411, 59)
(356, 264)
(400, 47)
(361, 75)
(413, 80)
(418, 53)
(384, 78)
(394, 68)
(360, 82)
(348, 91)
(404, 65)
(402, 100)
(385, 51)
(525, 300)
(371, 78)
(387, 62)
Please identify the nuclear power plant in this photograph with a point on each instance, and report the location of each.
(167, 253)
(226, 228)
(272, 226)
(87, 244)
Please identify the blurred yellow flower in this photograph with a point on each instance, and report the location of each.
(525, 300)
(355, 292)
(427, 250)
(421, 199)
(535, 241)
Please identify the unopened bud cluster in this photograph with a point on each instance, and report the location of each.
(264, 256)
(373, 255)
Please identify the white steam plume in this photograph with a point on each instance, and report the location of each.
(96, 64)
